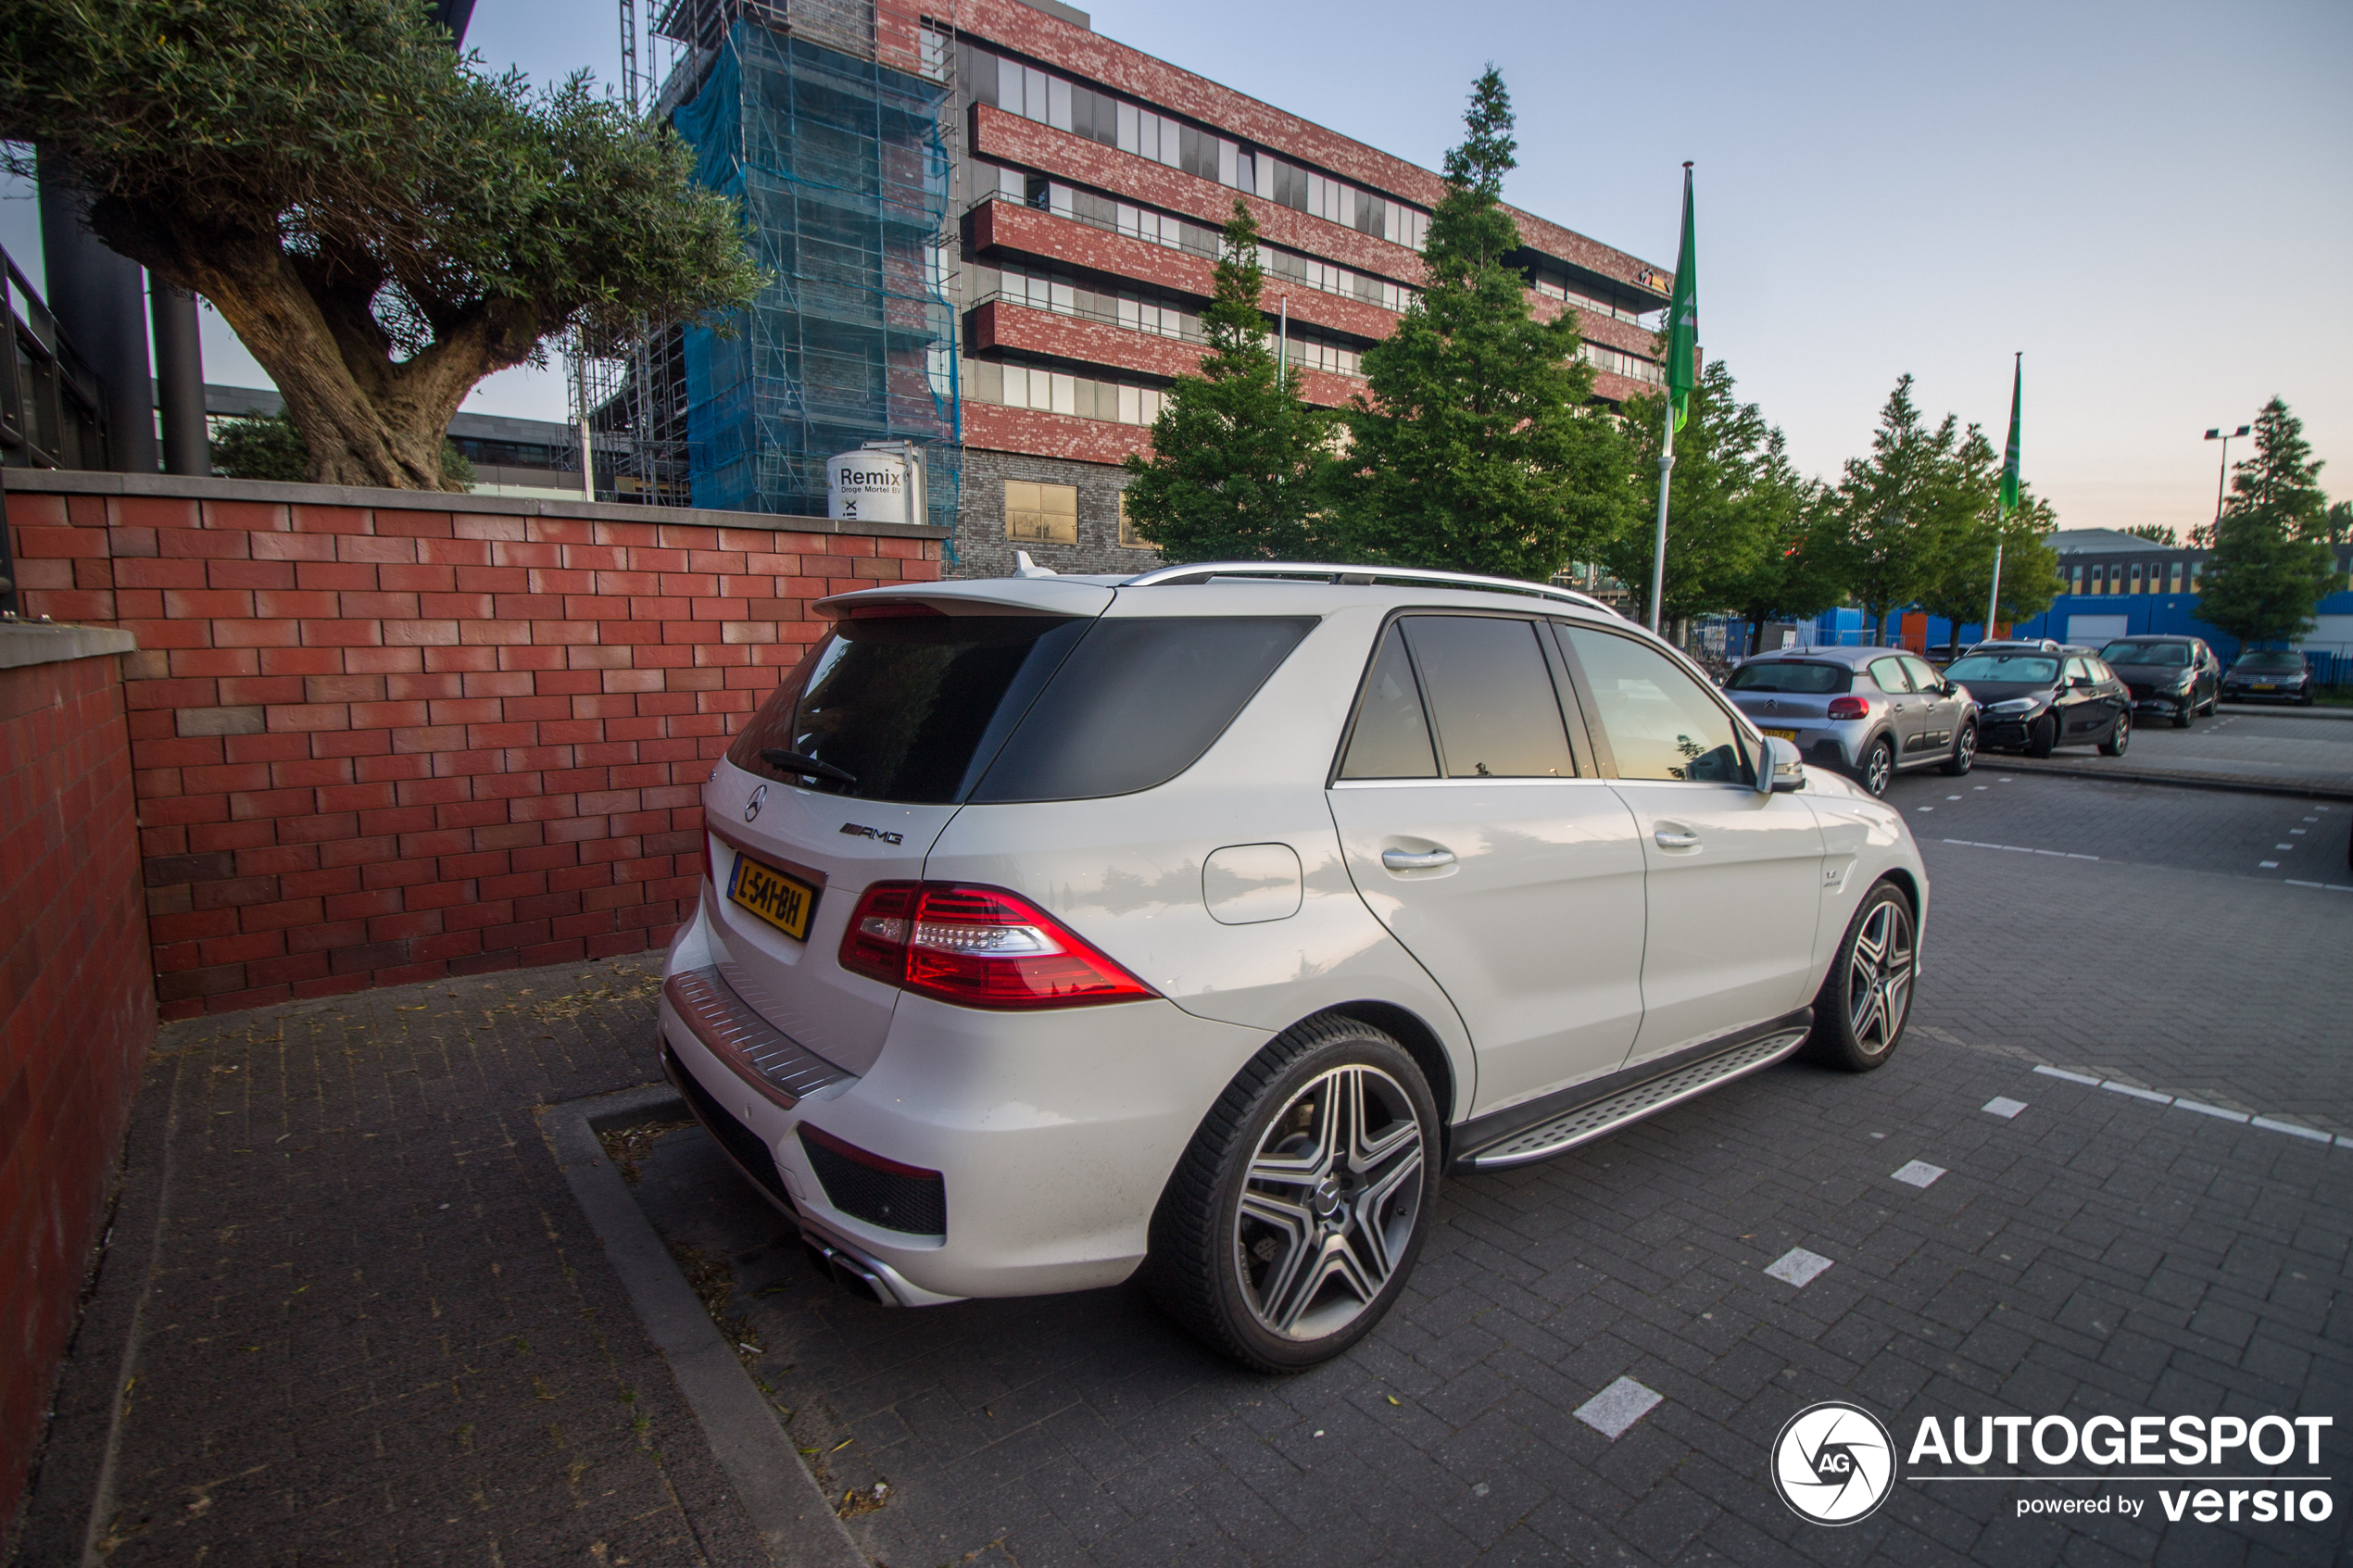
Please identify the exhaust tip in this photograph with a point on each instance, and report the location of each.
(846, 1269)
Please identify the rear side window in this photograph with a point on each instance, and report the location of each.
(1491, 694)
(912, 709)
(1136, 703)
(1889, 674)
(1792, 675)
(1392, 737)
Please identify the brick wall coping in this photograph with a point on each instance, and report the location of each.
(78, 482)
(23, 642)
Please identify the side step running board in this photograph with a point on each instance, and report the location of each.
(1612, 1111)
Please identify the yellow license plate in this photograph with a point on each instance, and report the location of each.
(1783, 734)
(785, 902)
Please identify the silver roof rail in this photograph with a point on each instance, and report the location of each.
(1201, 571)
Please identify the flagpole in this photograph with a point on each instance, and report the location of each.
(1683, 375)
(1659, 545)
(1994, 598)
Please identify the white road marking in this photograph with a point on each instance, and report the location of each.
(1618, 1406)
(1798, 1267)
(2003, 1106)
(2022, 849)
(2269, 1125)
(1916, 1173)
(2267, 865)
(1952, 797)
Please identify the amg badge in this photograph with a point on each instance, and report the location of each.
(859, 829)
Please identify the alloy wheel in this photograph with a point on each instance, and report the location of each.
(1329, 1202)
(1879, 767)
(1878, 978)
(1968, 746)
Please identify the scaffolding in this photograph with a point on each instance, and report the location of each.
(841, 169)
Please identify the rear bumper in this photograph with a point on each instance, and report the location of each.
(1053, 1133)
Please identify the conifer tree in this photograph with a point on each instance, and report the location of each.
(1232, 472)
(1475, 450)
(1900, 509)
(2271, 562)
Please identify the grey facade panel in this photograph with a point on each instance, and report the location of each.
(982, 549)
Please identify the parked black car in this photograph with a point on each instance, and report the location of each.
(2176, 676)
(2033, 700)
(2270, 675)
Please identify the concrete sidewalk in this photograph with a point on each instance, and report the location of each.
(350, 1311)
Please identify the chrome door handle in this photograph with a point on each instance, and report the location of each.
(1675, 838)
(1408, 861)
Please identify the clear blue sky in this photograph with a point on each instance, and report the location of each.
(2150, 199)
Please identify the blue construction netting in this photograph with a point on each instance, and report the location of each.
(843, 176)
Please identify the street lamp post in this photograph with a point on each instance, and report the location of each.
(2223, 478)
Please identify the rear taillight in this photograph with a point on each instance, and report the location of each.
(978, 946)
(1844, 708)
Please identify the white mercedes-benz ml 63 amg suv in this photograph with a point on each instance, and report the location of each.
(1062, 927)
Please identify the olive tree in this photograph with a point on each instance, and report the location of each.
(381, 222)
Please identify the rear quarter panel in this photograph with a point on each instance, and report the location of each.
(1125, 871)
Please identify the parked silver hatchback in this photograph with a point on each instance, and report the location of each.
(1197, 922)
(1870, 712)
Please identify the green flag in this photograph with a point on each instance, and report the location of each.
(1682, 316)
(2010, 453)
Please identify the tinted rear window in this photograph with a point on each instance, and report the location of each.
(1789, 675)
(2272, 659)
(913, 709)
(1136, 703)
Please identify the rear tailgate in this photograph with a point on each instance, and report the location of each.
(846, 775)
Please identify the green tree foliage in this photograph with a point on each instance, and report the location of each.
(1962, 576)
(2336, 523)
(267, 447)
(382, 224)
(2271, 562)
(2155, 533)
(1903, 508)
(1733, 503)
(1474, 450)
(1235, 452)
(1797, 577)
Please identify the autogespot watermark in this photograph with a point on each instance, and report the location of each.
(1835, 1463)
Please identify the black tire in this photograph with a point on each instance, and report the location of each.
(1205, 1271)
(1876, 767)
(2120, 735)
(2183, 714)
(1964, 755)
(1848, 1034)
(2041, 738)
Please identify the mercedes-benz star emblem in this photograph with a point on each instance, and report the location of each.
(751, 807)
(1834, 1464)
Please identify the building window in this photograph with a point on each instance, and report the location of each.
(2078, 578)
(2195, 567)
(1042, 514)
(2177, 577)
(1128, 538)
(2099, 579)
(2136, 577)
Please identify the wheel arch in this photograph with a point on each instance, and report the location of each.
(1421, 1041)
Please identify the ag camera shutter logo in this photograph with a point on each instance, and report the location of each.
(1834, 1464)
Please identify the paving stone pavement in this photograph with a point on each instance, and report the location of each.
(372, 1326)
(430, 1384)
(2258, 748)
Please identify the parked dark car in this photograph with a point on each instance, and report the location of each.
(2270, 675)
(2176, 676)
(1868, 712)
(2034, 700)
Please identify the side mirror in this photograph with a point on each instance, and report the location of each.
(1785, 769)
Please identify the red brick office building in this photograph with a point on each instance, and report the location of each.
(1093, 182)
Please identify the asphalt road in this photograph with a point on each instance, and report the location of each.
(2157, 1252)
(2288, 747)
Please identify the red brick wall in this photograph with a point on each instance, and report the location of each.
(77, 1011)
(390, 741)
